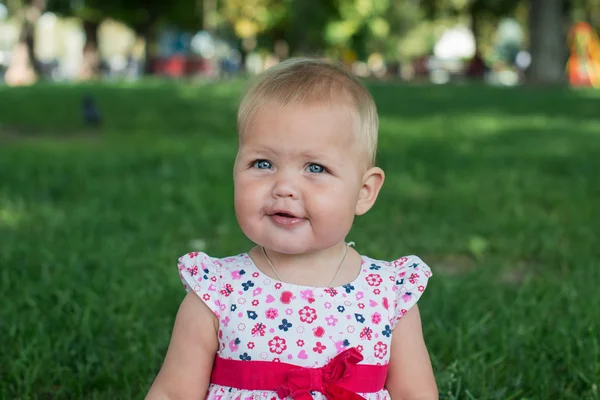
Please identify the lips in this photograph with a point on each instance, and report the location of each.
(285, 218)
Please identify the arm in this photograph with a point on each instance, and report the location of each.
(410, 375)
(185, 373)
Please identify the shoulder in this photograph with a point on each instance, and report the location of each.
(406, 277)
(197, 269)
(398, 267)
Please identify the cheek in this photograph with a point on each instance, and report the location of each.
(247, 195)
(333, 201)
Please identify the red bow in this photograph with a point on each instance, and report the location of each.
(299, 382)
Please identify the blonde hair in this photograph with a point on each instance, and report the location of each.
(306, 80)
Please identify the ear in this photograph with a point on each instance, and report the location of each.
(372, 183)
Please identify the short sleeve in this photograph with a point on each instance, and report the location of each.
(201, 274)
(412, 275)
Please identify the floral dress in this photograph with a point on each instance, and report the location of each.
(264, 319)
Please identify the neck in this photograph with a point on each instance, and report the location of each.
(321, 263)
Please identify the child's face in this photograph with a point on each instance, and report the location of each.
(298, 176)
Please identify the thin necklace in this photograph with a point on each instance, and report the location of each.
(334, 277)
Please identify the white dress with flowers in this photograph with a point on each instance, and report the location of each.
(267, 320)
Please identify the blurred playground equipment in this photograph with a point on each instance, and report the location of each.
(583, 65)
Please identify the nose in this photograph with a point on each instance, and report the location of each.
(285, 186)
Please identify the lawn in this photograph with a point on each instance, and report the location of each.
(498, 190)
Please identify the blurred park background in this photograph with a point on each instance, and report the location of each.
(117, 139)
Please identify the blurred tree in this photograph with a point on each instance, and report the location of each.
(28, 12)
(548, 26)
(477, 10)
(142, 16)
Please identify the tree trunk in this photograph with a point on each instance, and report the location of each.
(25, 68)
(547, 42)
(475, 15)
(147, 32)
(91, 55)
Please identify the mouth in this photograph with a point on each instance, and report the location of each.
(284, 214)
(284, 218)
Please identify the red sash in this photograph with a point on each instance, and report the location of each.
(341, 379)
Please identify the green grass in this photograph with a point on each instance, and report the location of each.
(497, 189)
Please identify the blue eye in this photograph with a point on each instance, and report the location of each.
(262, 164)
(316, 168)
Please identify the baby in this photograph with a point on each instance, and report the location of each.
(301, 315)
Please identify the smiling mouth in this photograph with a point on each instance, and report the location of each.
(285, 215)
(285, 219)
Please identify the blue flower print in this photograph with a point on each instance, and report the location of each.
(247, 285)
(359, 318)
(374, 267)
(245, 357)
(387, 331)
(233, 307)
(237, 341)
(252, 315)
(346, 343)
(349, 288)
(285, 325)
(242, 272)
(341, 308)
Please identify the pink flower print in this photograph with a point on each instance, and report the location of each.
(277, 345)
(250, 345)
(327, 305)
(259, 329)
(278, 285)
(381, 350)
(230, 259)
(350, 329)
(193, 270)
(254, 302)
(421, 288)
(366, 333)
(236, 275)
(361, 306)
(400, 262)
(289, 311)
(413, 278)
(276, 359)
(307, 314)
(300, 342)
(255, 274)
(331, 291)
(225, 321)
(374, 279)
(359, 348)
(331, 320)
(213, 278)
(376, 318)
(193, 254)
(376, 291)
(307, 294)
(319, 347)
(241, 327)
(206, 296)
(403, 311)
(406, 297)
(272, 313)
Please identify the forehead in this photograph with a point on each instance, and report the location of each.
(302, 127)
